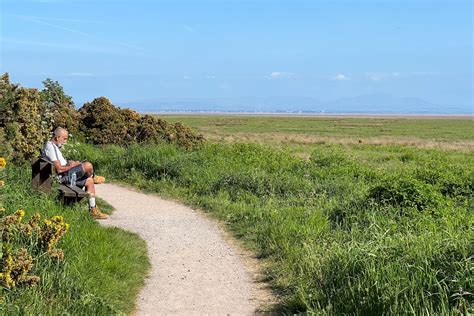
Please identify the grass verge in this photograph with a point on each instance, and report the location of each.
(103, 270)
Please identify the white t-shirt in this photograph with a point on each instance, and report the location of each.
(52, 153)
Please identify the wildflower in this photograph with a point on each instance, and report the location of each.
(2, 183)
(3, 162)
(57, 218)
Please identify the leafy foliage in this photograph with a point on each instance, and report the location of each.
(104, 123)
(60, 105)
(25, 122)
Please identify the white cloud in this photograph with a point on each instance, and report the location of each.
(280, 75)
(340, 77)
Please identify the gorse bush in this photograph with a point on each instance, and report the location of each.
(341, 236)
(61, 107)
(104, 123)
(20, 239)
(25, 121)
(40, 237)
(28, 116)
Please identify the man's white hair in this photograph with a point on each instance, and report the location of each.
(59, 130)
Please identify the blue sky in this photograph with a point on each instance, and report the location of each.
(135, 50)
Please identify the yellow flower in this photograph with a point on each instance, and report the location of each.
(2, 183)
(3, 162)
(57, 218)
(21, 213)
(2, 209)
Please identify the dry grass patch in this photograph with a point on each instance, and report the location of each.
(304, 139)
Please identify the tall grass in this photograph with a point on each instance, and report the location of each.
(390, 233)
(103, 270)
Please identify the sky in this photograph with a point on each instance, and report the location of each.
(327, 50)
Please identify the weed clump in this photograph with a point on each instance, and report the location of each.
(405, 192)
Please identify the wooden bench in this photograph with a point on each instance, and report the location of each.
(43, 174)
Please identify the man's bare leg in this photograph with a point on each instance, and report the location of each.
(90, 189)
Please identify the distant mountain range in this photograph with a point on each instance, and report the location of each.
(370, 103)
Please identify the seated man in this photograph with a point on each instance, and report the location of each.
(84, 171)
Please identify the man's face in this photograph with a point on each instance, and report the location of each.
(62, 139)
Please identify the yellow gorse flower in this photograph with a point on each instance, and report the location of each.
(57, 218)
(3, 162)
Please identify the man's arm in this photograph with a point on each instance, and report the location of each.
(61, 169)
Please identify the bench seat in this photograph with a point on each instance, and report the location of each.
(42, 175)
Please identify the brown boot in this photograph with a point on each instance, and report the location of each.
(99, 179)
(97, 214)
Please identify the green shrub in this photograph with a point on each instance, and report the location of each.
(60, 107)
(450, 180)
(405, 192)
(330, 157)
(103, 123)
(25, 120)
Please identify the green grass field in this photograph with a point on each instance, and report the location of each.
(353, 228)
(300, 133)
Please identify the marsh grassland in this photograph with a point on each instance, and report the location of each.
(301, 132)
(348, 215)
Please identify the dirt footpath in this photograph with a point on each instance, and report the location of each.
(195, 270)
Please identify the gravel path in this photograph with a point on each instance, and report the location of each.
(195, 270)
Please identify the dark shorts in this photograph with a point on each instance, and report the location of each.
(81, 176)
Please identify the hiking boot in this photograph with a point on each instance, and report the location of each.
(99, 179)
(97, 214)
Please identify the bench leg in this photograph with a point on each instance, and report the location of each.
(67, 200)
